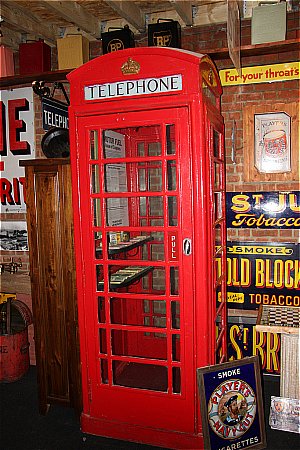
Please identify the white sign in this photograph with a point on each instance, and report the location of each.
(16, 142)
(116, 179)
(128, 88)
(272, 142)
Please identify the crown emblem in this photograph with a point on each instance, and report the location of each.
(130, 67)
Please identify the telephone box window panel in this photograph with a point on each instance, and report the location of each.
(147, 145)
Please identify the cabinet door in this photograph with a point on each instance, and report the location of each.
(135, 279)
(49, 216)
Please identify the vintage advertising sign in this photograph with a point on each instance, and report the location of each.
(244, 340)
(262, 274)
(55, 114)
(17, 142)
(263, 210)
(261, 74)
(285, 414)
(231, 405)
(272, 142)
(128, 88)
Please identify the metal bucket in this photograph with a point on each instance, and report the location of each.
(15, 317)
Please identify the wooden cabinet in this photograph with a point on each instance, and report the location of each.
(52, 273)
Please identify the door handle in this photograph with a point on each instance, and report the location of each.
(187, 246)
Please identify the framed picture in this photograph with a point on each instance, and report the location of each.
(271, 142)
(231, 405)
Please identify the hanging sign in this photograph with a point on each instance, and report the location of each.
(267, 210)
(17, 142)
(55, 114)
(261, 74)
(262, 273)
(231, 405)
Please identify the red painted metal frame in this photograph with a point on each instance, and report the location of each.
(161, 418)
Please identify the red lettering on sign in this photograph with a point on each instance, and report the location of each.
(16, 126)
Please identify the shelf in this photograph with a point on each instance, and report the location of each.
(220, 53)
(257, 50)
(126, 246)
(57, 75)
(126, 276)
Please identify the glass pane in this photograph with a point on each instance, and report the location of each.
(117, 212)
(127, 311)
(142, 376)
(171, 175)
(113, 144)
(216, 143)
(95, 182)
(134, 343)
(132, 142)
(102, 340)
(101, 310)
(135, 245)
(145, 176)
(218, 236)
(170, 138)
(154, 149)
(98, 244)
(99, 278)
(94, 144)
(137, 279)
(218, 205)
(97, 212)
(172, 211)
(175, 312)
(174, 280)
(104, 371)
(217, 177)
(141, 149)
(115, 177)
(176, 380)
(176, 347)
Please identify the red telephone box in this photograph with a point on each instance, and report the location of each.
(147, 155)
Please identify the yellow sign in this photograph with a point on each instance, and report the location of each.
(261, 74)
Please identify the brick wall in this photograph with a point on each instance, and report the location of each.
(234, 99)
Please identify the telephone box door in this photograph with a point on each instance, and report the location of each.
(137, 258)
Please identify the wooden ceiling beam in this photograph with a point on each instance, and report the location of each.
(74, 13)
(18, 18)
(130, 12)
(10, 38)
(184, 10)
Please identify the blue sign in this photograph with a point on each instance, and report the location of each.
(231, 405)
(55, 114)
(267, 210)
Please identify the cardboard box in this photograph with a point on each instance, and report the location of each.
(34, 57)
(73, 51)
(268, 23)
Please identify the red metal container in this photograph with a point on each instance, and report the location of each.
(14, 344)
(34, 57)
